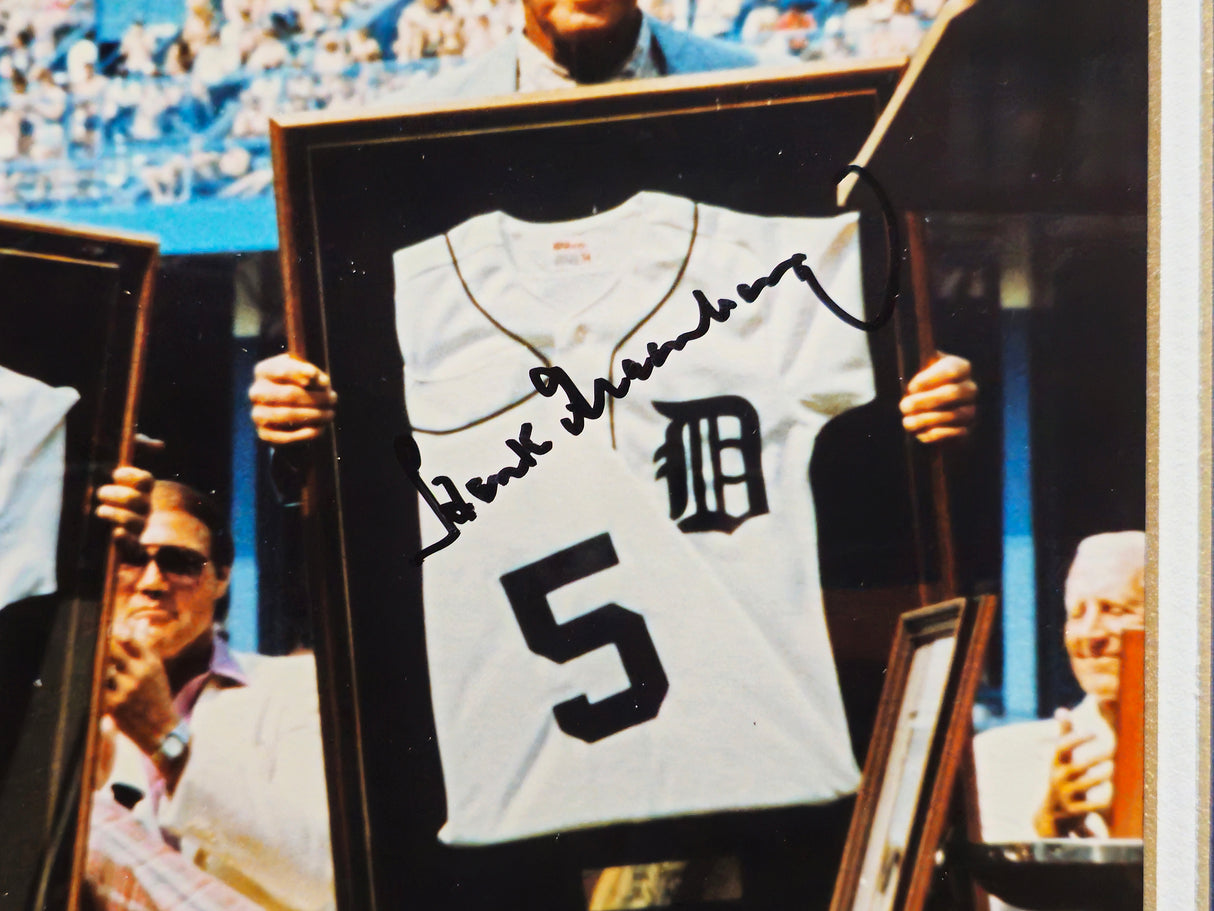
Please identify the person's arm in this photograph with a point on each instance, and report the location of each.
(124, 504)
(292, 402)
(940, 400)
(137, 696)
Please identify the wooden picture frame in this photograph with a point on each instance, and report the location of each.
(898, 824)
(76, 312)
(350, 192)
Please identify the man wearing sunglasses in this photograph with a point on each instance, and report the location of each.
(218, 753)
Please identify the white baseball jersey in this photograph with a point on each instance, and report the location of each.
(32, 441)
(686, 503)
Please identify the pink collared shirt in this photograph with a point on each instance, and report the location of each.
(223, 667)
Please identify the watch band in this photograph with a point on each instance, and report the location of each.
(175, 743)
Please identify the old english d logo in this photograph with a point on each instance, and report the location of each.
(692, 464)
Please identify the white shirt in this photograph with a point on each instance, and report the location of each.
(33, 437)
(251, 805)
(1013, 764)
(753, 716)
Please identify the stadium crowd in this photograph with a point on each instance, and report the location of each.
(174, 111)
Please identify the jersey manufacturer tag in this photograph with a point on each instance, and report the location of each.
(570, 254)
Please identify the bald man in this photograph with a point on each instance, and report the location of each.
(1104, 598)
(1053, 778)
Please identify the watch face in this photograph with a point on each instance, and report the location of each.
(174, 746)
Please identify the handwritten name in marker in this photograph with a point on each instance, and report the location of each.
(456, 511)
(548, 381)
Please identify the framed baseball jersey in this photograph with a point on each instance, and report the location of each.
(585, 399)
(74, 311)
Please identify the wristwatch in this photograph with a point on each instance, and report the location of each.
(175, 743)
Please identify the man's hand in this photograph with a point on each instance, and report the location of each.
(1067, 805)
(136, 693)
(939, 400)
(293, 400)
(126, 501)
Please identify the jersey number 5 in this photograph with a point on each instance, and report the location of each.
(528, 588)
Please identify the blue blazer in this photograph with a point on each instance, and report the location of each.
(496, 73)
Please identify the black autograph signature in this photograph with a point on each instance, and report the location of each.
(548, 381)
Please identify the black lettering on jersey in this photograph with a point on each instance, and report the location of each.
(527, 589)
(682, 460)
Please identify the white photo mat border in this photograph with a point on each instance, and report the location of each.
(1179, 505)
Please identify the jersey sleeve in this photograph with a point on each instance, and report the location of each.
(33, 440)
(459, 366)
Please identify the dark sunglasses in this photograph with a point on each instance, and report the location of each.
(171, 560)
